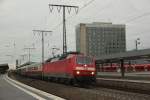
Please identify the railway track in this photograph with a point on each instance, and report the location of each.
(77, 93)
(120, 95)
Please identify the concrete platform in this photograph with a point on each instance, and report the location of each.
(9, 92)
(140, 86)
(13, 90)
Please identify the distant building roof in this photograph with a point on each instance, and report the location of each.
(102, 24)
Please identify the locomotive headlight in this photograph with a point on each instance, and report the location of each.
(78, 72)
(92, 73)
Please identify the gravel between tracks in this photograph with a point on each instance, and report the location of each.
(76, 93)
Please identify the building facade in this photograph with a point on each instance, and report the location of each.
(96, 39)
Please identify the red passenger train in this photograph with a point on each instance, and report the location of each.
(137, 67)
(72, 68)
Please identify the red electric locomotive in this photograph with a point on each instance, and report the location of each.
(71, 67)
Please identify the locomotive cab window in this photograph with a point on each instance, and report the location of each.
(84, 60)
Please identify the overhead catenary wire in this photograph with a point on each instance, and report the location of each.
(91, 1)
(138, 17)
(80, 9)
(64, 7)
(42, 32)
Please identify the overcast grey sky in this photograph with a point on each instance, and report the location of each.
(19, 17)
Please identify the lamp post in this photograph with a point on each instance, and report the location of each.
(137, 42)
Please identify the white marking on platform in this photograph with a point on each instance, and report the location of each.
(36, 90)
(26, 91)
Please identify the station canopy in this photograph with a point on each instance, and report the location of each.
(129, 55)
(3, 68)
